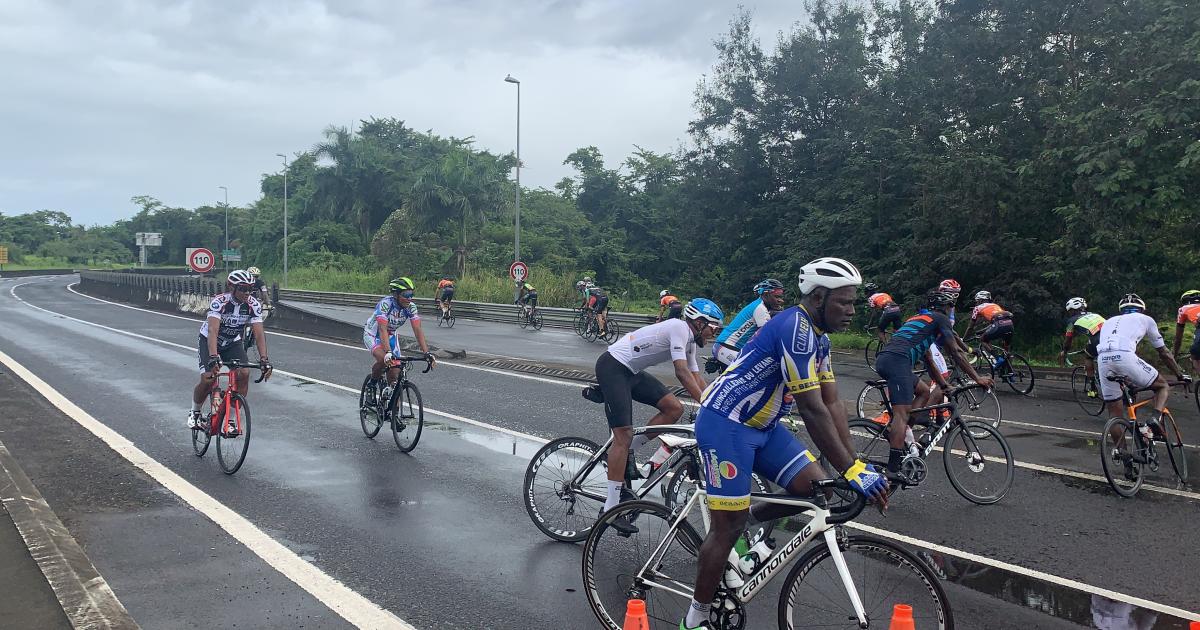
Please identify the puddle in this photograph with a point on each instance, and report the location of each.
(492, 440)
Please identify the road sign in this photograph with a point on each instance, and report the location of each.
(3, 255)
(148, 239)
(518, 271)
(231, 255)
(200, 259)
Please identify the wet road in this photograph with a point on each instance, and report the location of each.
(440, 538)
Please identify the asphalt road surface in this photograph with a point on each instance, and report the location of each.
(440, 538)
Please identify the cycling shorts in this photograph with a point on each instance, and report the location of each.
(1093, 346)
(530, 298)
(447, 294)
(998, 329)
(371, 342)
(621, 387)
(1195, 349)
(891, 316)
(234, 351)
(897, 370)
(1138, 373)
(724, 354)
(600, 304)
(732, 451)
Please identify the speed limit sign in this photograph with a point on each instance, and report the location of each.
(518, 271)
(200, 259)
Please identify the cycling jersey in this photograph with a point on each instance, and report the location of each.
(1085, 323)
(1122, 333)
(789, 355)
(989, 311)
(668, 340)
(234, 316)
(442, 284)
(879, 300)
(389, 308)
(668, 300)
(919, 333)
(1188, 314)
(748, 320)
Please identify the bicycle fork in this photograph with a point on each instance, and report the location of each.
(839, 561)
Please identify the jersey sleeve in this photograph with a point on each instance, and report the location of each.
(382, 309)
(256, 311)
(761, 315)
(680, 337)
(411, 312)
(214, 307)
(1155, 337)
(799, 361)
(1181, 318)
(693, 364)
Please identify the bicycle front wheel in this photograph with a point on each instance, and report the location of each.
(200, 439)
(368, 414)
(612, 331)
(870, 441)
(1019, 374)
(408, 416)
(537, 320)
(976, 403)
(884, 574)
(233, 440)
(617, 566)
(562, 500)
(522, 318)
(1175, 449)
(1117, 446)
(1081, 387)
(981, 469)
(871, 351)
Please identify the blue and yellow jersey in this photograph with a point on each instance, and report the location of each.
(789, 355)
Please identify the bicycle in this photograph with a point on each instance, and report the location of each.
(1086, 390)
(1125, 452)
(398, 405)
(658, 564)
(982, 403)
(232, 430)
(1004, 365)
(590, 329)
(446, 318)
(248, 333)
(529, 316)
(874, 346)
(964, 443)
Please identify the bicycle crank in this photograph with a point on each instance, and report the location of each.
(914, 470)
(727, 612)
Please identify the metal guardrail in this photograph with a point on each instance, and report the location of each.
(195, 285)
(483, 311)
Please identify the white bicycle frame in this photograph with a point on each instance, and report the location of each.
(818, 526)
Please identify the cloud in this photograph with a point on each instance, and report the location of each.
(104, 101)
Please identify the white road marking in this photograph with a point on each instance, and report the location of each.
(1054, 579)
(351, 606)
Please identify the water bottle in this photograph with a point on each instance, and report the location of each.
(732, 578)
(754, 558)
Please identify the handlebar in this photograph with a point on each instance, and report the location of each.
(842, 513)
(398, 361)
(237, 364)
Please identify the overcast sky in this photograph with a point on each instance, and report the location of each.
(101, 101)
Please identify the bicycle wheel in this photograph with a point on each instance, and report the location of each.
(870, 441)
(233, 440)
(612, 331)
(871, 351)
(537, 320)
(1175, 448)
(613, 566)
(1117, 444)
(451, 320)
(976, 403)
(368, 415)
(1018, 374)
(580, 323)
(980, 469)
(563, 510)
(1081, 385)
(871, 403)
(408, 416)
(200, 439)
(522, 318)
(884, 574)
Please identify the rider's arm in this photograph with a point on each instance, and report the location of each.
(687, 378)
(256, 325)
(1068, 339)
(837, 412)
(1156, 340)
(214, 330)
(819, 422)
(1170, 361)
(1179, 328)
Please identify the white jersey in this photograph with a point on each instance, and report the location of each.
(669, 340)
(234, 317)
(1122, 333)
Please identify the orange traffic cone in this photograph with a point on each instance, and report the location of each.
(635, 616)
(902, 618)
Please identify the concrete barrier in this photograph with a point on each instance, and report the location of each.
(22, 273)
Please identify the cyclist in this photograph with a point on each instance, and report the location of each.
(528, 296)
(583, 287)
(748, 320)
(390, 314)
(738, 430)
(999, 322)
(445, 293)
(670, 305)
(1081, 322)
(259, 292)
(221, 335)
(909, 345)
(1189, 312)
(889, 311)
(1116, 355)
(620, 371)
(598, 302)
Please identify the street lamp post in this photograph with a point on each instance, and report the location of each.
(285, 218)
(517, 232)
(226, 224)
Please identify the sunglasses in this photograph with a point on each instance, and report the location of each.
(776, 292)
(242, 288)
(405, 294)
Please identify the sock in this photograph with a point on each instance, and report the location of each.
(697, 614)
(895, 457)
(660, 455)
(196, 405)
(638, 441)
(614, 495)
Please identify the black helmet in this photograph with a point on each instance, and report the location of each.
(870, 287)
(939, 299)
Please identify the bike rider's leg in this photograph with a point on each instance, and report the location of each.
(896, 369)
(1161, 392)
(618, 456)
(670, 410)
(377, 367)
(243, 381)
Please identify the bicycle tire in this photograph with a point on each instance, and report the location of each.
(231, 450)
(450, 321)
(561, 496)
(1020, 373)
(612, 331)
(407, 420)
(961, 444)
(201, 439)
(871, 351)
(870, 402)
(812, 574)
(1175, 448)
(608, 589)
(870, 441)
(537, 320)
(1114, 469)
(1079, 388)
(983, 406)
(368, 415)
(522, 318)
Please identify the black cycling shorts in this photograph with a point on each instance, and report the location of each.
(897, 370)
(889, 317)
(998, 329)
(447, 294)
(530, 298)
(675, 310)
(601, 304)
(621, 387)
(235, 351)
(1093, 346)
(1195, 349)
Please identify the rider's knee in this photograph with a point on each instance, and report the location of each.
(671, 406)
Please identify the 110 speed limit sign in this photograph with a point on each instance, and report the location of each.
(200, 259)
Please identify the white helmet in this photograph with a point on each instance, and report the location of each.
(663, 293)
(239, 276)
(983, 296)
(1076, 303)
(254, 271)
(831, 273)
(1132, 300)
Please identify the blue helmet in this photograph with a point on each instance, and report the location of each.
(704, 308)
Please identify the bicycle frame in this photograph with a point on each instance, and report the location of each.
(653, 480)
(231, 378)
